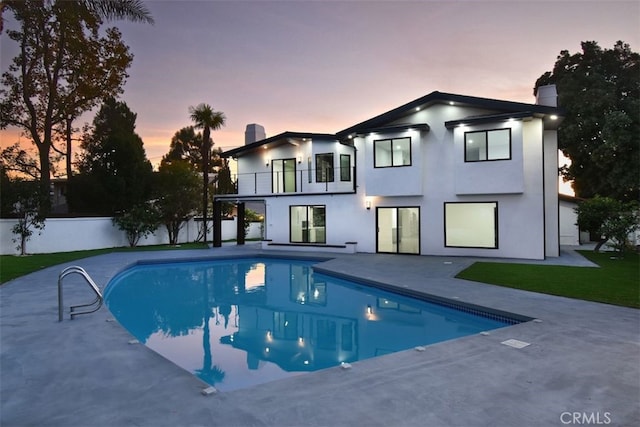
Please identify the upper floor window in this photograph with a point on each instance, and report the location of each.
(345, 167)
(486, 145)
(324, 167)
(392, 152)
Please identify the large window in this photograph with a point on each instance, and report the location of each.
(471, 225)
(283, 175)
(324, 167)
(487, 145)
(345, 167)
(392, 152)
(307, 224)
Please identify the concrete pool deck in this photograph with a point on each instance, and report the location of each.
(582, 365)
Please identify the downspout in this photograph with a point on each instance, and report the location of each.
(544, 197)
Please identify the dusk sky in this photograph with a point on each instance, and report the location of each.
(322, 66)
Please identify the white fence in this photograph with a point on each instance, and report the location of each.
(77, 234)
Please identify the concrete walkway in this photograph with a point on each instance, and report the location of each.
(582, 364)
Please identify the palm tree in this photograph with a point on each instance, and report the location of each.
(131, 10)
(207, 119)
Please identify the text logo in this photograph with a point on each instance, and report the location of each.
(585, 418)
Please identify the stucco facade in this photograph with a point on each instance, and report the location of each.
(444, 174)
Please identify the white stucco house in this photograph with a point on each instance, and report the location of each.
(444, 174)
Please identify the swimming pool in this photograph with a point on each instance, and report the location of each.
(240, 322)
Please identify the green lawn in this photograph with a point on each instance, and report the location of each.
(12, 266)
(617, 281)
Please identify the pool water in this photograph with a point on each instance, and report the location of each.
(238, 323)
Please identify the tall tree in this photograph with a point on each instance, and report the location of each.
(186, 144)
(600, 89)
(66, 65)
(207, 119)
(177, 191)
(115, 174)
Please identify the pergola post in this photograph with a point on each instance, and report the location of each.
(240, 223)
(217, 223)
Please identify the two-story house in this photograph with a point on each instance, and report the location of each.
(444, 174)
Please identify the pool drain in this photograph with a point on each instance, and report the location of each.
(515, 343)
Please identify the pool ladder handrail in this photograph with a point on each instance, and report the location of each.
(94, 305)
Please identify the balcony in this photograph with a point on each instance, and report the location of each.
(299, 181)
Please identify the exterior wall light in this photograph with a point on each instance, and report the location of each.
(367, 204)
(299, 158)
(268, 159)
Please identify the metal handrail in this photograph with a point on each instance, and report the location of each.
(78, 270)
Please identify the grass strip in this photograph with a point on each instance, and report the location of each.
(617, 281)
(12, 266)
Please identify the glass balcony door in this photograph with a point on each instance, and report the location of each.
(283, 175)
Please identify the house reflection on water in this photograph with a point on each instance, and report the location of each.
(274, 312)
(308, 321)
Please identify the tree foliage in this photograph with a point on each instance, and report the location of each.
(186, 144)
(21, 200)
(15, 158)
(600, 89)
(611, 219)
(66, 65)
(137, 222)
(177, 193)
(225, 185)
(115, 174)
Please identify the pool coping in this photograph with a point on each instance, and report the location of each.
(583, 358)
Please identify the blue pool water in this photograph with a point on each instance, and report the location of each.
(237, 323)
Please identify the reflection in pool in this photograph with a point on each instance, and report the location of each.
(237, 323)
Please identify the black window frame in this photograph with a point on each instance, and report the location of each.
(330, 176)
(282, 178)
(496, 218)
(324, 224)
(487, 132)
(397, 210)
(345, 172)
(390, 141)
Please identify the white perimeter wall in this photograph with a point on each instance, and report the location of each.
(76, 234)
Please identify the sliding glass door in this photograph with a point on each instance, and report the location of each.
(398, 230)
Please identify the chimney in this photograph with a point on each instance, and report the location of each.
(547, 95)
(253, 133)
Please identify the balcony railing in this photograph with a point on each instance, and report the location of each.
(299, 181)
